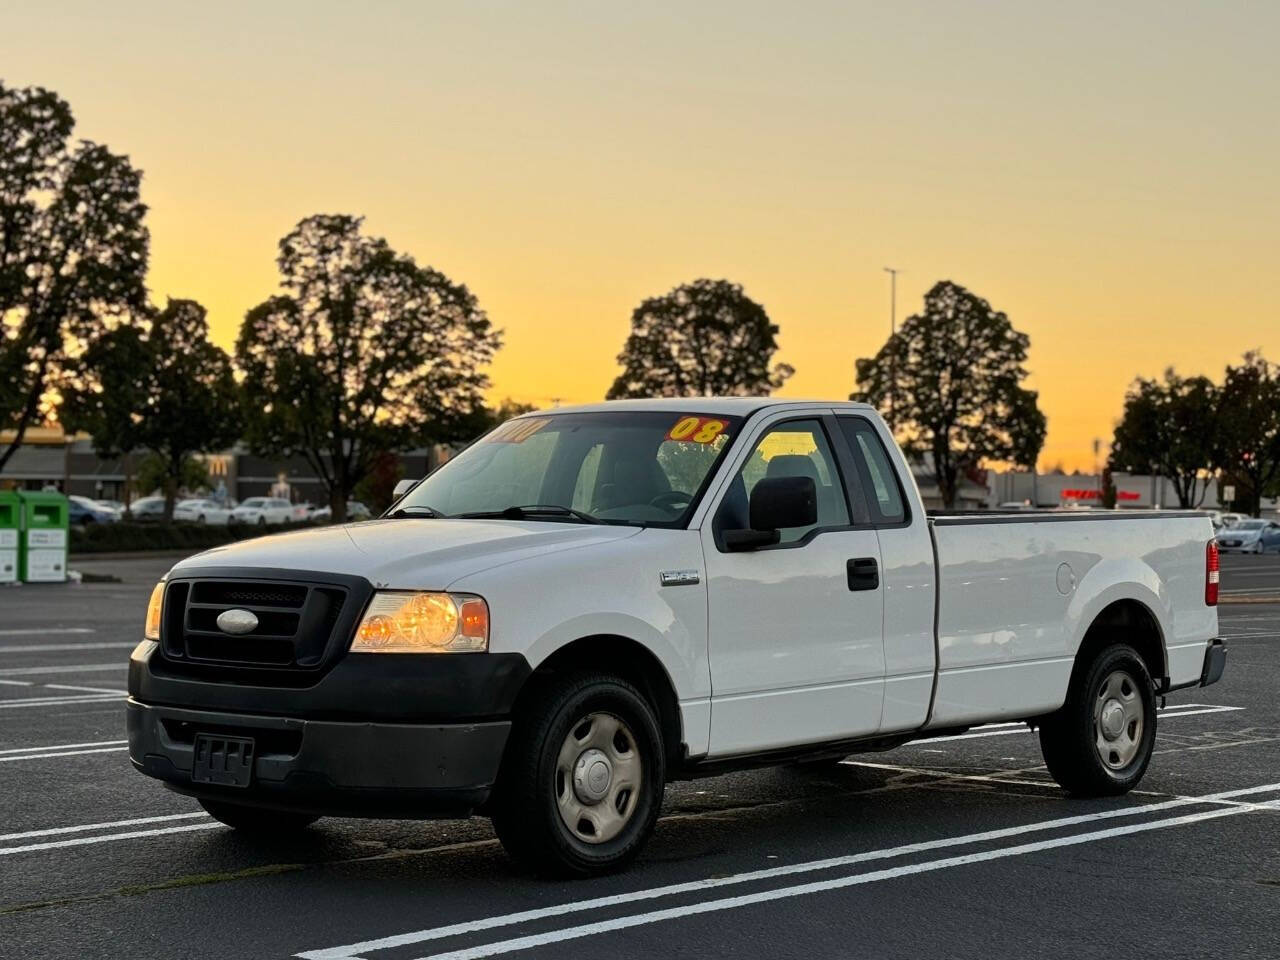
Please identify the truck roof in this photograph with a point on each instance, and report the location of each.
(728, 406)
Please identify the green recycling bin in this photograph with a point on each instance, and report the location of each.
(10, 512)
(42, 537)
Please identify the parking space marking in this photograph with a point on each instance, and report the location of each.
(44, 631)
(64, 686)
(106, 838)
(15, 683)
(60, 701)
(62, 668)
(65, 647)
(353, 951)
(806, 889)
(1004, 729)
(86, 827)
(62, 746)
(65, 753)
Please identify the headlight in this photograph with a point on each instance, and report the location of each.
(401, 622)
(154, 605)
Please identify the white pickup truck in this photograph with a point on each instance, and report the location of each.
(590, 602)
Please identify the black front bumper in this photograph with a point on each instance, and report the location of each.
(379, 735)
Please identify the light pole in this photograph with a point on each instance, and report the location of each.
(893, 330)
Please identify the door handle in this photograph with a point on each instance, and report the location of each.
(864, 573)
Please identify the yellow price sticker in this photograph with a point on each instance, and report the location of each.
(697, 429)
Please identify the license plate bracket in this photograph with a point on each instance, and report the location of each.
(226, 761)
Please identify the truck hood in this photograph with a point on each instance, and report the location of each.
(408, 554)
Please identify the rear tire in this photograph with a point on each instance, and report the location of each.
(257, 820)
(1100, 742)
(582, 779)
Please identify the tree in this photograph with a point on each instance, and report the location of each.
(153, 474)
(1247, 447)
(952, 376)
(165, 389)
(364, 352)
(705, 338)
(1169, 428)
(73, 253)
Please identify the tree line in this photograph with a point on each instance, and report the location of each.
(1192, 430)
(362, 353)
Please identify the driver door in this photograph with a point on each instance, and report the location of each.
(794, 634)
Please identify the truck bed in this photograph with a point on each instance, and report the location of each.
(1017, 593)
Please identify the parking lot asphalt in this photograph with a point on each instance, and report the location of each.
(957, 847)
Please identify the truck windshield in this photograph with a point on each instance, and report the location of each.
(628, 467)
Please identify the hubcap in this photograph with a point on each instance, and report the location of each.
(598, 775)
(1117, 720)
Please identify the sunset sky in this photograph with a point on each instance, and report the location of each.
(1105, 173)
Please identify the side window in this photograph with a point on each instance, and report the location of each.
(797, 448)
(879, 480)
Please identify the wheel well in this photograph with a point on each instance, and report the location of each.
(631, 661)
(1131, 622)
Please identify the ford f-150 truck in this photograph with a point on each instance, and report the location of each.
(590, 602)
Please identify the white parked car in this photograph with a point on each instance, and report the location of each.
(262, 511)
(355, 511)
(590, 602)
(202, 512)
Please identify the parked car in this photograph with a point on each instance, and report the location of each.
(1249, 536)
(1271, 539)
(262, 511)
(112, 506)
(1231, 519)
(683, 587)
(146, 510)
(302, 512)
(201, 511)
(81, 511)
(355, 511)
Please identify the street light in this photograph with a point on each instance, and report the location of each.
(893, 330)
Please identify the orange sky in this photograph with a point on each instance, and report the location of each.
(1105, 176)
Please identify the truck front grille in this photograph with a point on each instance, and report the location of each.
(298, 624)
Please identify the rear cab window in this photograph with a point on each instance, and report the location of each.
(879, 480)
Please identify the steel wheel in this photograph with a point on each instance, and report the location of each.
(598, 777)
(1117, 720)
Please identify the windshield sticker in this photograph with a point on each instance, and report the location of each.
(697, 429)
(517, 431)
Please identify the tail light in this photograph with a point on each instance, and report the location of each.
(1211, 574)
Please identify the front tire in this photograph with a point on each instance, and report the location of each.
(257, 820)
(583, 777)
(1099, 744)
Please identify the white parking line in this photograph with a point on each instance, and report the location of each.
(107, 838)
(85, 827)
(352, 951)
(64, 647)
(805, 889)
(44, 631)
(16, 683)
(1004, 729)
(65, 753)
(62, 668)
(63, 686)
(59, 701)
(62, 746)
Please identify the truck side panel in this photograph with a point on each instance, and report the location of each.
(1016, 599)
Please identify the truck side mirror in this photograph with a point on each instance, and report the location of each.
(403, 487)
(776, 504)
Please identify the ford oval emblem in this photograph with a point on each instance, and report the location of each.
(236, 621)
